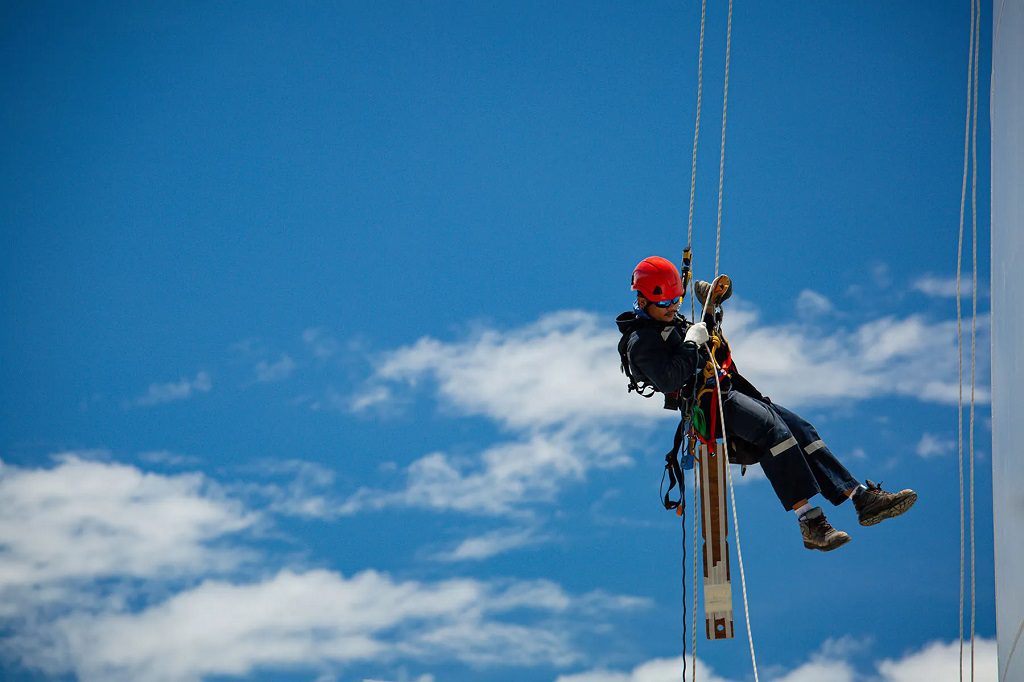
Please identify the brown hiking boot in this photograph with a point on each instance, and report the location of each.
(818, 532)
(874, 505)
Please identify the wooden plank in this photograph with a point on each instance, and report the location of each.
(718, 617)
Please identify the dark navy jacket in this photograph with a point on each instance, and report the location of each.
(657, 353)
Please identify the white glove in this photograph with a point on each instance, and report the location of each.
(698, 333)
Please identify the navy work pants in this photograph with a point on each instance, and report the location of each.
(793, 456)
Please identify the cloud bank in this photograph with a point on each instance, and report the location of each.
(935, 662)
(112, 573)
(555, 387)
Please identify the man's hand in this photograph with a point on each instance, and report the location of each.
(698, 333)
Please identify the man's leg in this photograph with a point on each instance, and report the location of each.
(780, 455)
(873, 504)
(782, 460)
(834, 480)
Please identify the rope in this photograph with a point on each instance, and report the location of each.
(974, 299)
(735, 517)
(696, 506)
(696, 137)
(1006, 668)
(970, 154)
(693, 313)
(696, 125)
(721, 158)
(682, 506)
(959, 339)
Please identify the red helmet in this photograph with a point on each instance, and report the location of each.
(657, 279)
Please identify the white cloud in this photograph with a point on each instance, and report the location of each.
(940, 662)
(316, 617)
(319, 343)
(89, 520)
(562, 369)
(557, 379)
(812, 304)
(909, 357)
(819, 669)
(491, 544)
(935, 662)
(371, 397)
(944, 287)
(500, 480)
(182, 389)
(656, 670)
(107, 575)
(931, 446)
(320, 618)
(168, 458)
(299, 488)
(267, 372)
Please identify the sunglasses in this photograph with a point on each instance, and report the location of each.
(668, 302)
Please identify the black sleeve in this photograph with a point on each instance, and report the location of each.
(668, 365)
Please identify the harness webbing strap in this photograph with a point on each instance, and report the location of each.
(674, 472)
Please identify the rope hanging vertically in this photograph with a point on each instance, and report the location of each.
(974, 302)
(721, 158)
(735, 517)
(696, 137)
(682, 507)
(696, 505)
(970, 161)
(696, 124)
(693, 313)
(718, 243)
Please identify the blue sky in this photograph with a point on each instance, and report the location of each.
(308, 343)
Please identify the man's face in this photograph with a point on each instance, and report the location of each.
(661, 314)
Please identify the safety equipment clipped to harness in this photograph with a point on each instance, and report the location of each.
(677, 460)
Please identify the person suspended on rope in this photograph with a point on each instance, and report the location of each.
(661, 351)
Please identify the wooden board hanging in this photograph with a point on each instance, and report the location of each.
(718, 615)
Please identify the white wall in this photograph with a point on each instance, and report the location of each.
(1007, 111)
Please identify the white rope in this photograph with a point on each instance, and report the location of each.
(732, 500)
(696, 137)
(693, 314)
(721, 158)
(971, 115)
(1006, 668)
(696, 125)
(974, 301)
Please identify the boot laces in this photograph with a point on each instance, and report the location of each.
(875, 490)
(822, 525)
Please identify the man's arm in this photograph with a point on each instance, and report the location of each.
(669, 364)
